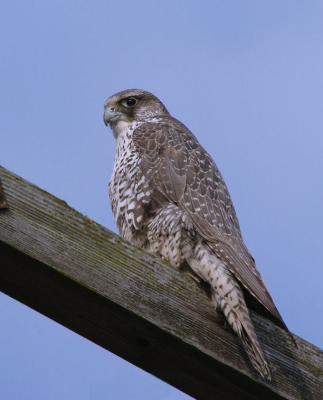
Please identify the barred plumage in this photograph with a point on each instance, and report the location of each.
(169, 197)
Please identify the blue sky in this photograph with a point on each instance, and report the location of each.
(245, 76)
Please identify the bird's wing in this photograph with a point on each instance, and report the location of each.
(179, 169)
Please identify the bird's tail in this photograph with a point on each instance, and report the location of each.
(227, 295)
(237, 315)
(254, 351)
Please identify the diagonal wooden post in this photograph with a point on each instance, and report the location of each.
(3, 201)
(83, 276)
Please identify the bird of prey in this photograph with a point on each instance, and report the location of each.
(169, 198)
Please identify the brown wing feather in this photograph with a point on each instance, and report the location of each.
(178, 167)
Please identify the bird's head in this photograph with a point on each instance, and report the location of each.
(131, 105)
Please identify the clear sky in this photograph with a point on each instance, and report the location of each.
(245, 76)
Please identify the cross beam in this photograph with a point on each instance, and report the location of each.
(73, 270)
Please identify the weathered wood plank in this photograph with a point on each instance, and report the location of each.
(3, 201)
(73, 270)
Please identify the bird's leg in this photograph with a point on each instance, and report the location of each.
(187, 269)
(221, 316)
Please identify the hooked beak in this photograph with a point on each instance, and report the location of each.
(110, 116)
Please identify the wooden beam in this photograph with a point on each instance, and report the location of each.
(83, 276)
(3, 201)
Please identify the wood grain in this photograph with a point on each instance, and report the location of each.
(3, 201)
(83, 276)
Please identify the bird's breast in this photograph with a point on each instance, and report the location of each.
(124, 186)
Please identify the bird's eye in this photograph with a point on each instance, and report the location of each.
(130, 102)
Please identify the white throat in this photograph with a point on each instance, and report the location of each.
(121, 128)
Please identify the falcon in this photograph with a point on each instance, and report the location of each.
(169, 198)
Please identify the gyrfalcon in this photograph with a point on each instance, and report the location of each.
(169, 198)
